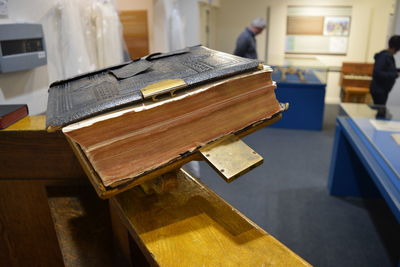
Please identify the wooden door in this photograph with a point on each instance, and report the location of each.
(135, 32)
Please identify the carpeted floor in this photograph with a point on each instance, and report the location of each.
(288, 197)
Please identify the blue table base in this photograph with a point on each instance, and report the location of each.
(358, 170)
(306, 102)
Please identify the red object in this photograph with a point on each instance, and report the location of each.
(10, 114)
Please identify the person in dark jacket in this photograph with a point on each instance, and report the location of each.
(385, 72)
(246, 42)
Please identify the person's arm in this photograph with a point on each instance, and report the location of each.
(242, 44)
(379, 69)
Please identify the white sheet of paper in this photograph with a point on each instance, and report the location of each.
(382, 125)
(396, 138)
(338, 44)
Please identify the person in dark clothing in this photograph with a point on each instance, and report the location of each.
(246, 42)
(385, 73)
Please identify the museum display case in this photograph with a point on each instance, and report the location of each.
(300, 70)
(301, 83)
(365, 157)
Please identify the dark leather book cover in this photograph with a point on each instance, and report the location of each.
(94, 93)
(10, 114)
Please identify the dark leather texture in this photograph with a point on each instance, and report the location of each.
(94, 93)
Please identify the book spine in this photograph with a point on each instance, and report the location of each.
(13, 117)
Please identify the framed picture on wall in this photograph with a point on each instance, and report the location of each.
(337, 26)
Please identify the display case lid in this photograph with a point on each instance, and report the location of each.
(300, 70)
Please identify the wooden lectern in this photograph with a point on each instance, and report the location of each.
(167, 224)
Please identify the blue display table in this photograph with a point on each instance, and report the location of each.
(306, 101)
(365, 160)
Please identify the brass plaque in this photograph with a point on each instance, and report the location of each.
(231, 157)
(162, 87)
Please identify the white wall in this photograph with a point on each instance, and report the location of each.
(368, 34)
(369, 30)
(28, 86)
(31, 86)
(233, 16)
(189, 10)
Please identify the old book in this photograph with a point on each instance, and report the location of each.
(10, 114)
(192, 98)
(108, 89)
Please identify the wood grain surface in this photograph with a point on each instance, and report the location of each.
(192, 226)
(27, 235)
(135, 31)
(27, 151)
(83, 227)
(108, 192)
(188, 225)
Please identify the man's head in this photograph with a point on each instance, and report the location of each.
(394, 43)
(257, 25)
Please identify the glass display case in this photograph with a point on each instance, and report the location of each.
(301, 83)
(365, 158)
(300, 70)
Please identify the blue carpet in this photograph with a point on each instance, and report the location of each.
(287, 196)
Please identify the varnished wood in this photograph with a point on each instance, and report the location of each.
(26, 227)
(31, 160)
(126, 250)
(30, 123)
(359, 68)
(135, 32)
(192, 226)
(120, 237)
(185, 223)
(355, 94)
(27, 151)
(83, 227)
(355, 80)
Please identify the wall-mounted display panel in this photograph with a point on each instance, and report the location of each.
(22, 47)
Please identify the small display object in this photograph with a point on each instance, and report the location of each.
(337, 26)
(302, 84)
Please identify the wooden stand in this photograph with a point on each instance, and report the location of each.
(181, 223)
(355, 94)
(192, 226)
(31, 160)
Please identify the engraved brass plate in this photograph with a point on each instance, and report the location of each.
(162, 87)
(231, 157)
